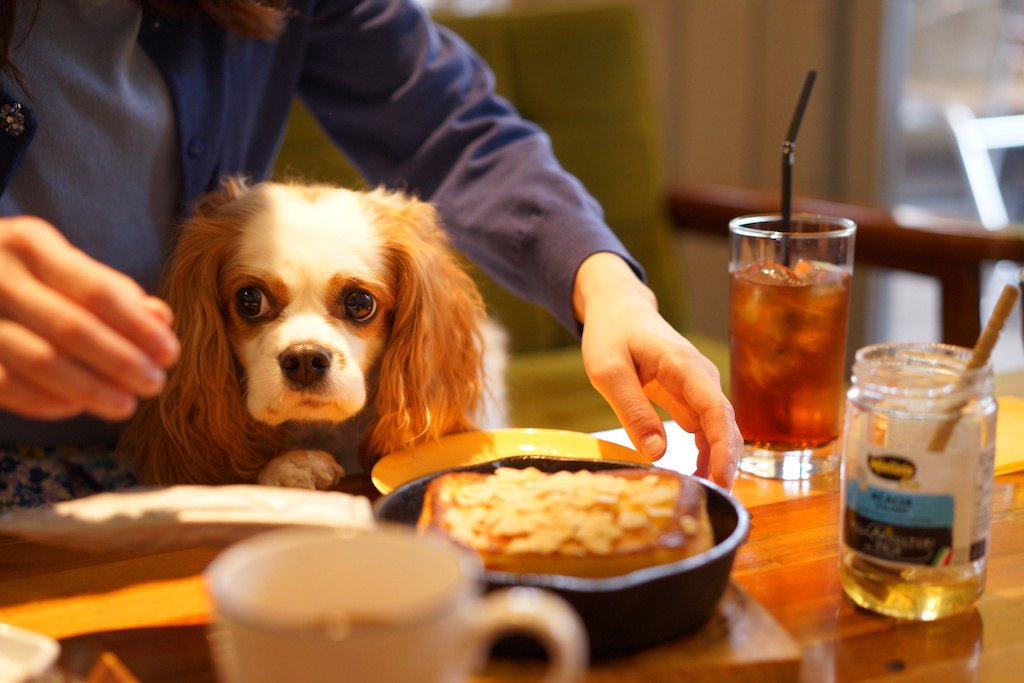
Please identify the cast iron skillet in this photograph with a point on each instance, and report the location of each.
(622, 613)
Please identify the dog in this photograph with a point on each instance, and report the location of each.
(321, 328)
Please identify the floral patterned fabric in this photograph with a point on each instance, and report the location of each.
(31, 476)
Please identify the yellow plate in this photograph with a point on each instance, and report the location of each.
(471, 448)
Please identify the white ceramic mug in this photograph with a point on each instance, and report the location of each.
(304, 605)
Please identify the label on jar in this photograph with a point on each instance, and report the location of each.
(907, 505)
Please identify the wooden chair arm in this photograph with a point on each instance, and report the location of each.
(949, 249)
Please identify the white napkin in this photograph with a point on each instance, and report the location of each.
(184, 516)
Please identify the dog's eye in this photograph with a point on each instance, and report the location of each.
(251, 303)
(360, 305)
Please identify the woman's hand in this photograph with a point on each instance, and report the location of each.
(633, 356)
(75, 335)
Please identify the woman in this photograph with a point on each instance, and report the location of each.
(115, 115)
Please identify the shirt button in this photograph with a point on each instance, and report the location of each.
(196, 148)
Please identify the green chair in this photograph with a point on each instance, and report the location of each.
(581, 74)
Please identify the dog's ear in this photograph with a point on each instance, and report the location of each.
(431, 374)
(197, 430)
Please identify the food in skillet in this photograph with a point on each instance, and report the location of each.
(585, 524)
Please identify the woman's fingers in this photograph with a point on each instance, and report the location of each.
(689, 389)
(75, 335)
(112, 297)
(35, 374)
(657, 365)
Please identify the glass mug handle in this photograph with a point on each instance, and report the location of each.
(535, 613)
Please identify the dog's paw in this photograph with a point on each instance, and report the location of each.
(303, 469)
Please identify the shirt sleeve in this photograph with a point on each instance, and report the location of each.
(414, 108)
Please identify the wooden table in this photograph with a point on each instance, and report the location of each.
(150, 609)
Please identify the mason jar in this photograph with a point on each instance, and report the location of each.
(916, 480)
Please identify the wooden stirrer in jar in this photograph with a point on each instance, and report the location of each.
(979, 356)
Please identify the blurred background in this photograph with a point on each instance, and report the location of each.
(899, 84)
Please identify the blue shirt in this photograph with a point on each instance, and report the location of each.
(410, 105)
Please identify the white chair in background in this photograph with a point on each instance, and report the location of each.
(968, 67)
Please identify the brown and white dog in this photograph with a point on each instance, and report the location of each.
(320, 329)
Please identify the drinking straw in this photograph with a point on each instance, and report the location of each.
(979, 356)
(787, 151)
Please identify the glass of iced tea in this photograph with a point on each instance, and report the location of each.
(789, 301)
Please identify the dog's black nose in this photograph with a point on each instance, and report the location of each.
(305, 364)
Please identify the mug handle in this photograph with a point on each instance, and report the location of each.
(532, 612)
